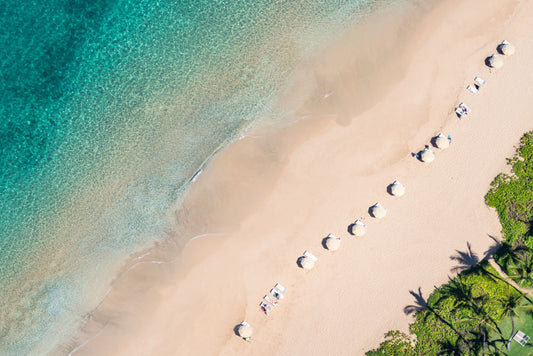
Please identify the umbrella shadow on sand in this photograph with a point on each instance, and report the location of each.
(324, 242)
(236, 330)
(491, 250)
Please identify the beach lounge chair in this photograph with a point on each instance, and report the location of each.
(472, 89)
(521, 338)
(270, 300)
(277, 294)
(265, 307)
(310, 256)
(465, 108)
(479, 81)
(462, 110)
(281, 288)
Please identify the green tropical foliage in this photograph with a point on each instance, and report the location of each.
(464, 316)
(509, 306)
(512, 195)
(459, 317)
(396, 343)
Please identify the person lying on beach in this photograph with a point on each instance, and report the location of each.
(265, 307)
(276, 295)
(465, 109)
(264, 310)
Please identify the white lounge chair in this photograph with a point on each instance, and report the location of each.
(472, 89)
(270, 300)
(277, 293)
(310, 256)
(267, 307)
(465, 108)
(462, 110)
(281, 288)
(521, 338)
(479, 81)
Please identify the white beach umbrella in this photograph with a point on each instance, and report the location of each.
(333, 243)
(442, 142)
(495, 61)
(397, 189)
(427, 155)
(378, 211)
(245, 330)
(306, 262)
(507, 49)
(358, 228)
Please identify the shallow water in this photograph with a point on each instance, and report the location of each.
(108, 110)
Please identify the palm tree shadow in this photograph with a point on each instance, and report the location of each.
(420, 302)
(466, 259)
(492, 249)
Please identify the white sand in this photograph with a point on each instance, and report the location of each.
(265, 199)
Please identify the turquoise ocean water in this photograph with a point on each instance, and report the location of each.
(108, 108)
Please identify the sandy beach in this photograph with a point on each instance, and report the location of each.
(275, 193)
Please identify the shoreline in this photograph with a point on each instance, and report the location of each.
(212, 264)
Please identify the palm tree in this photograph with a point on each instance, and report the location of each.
(509, 305)
(482, 319)
(510, 254)
(493, 347)
(459, 292)
(523, 270)
(461, 295)
(449, 348)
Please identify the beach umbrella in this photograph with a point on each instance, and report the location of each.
(397, 189)
(358, 228)
(507, 49)
(245, 330)
(333, 243)
(495, 61)
(378, 211)
(442, 142)
(427, 155)
(306, 262)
